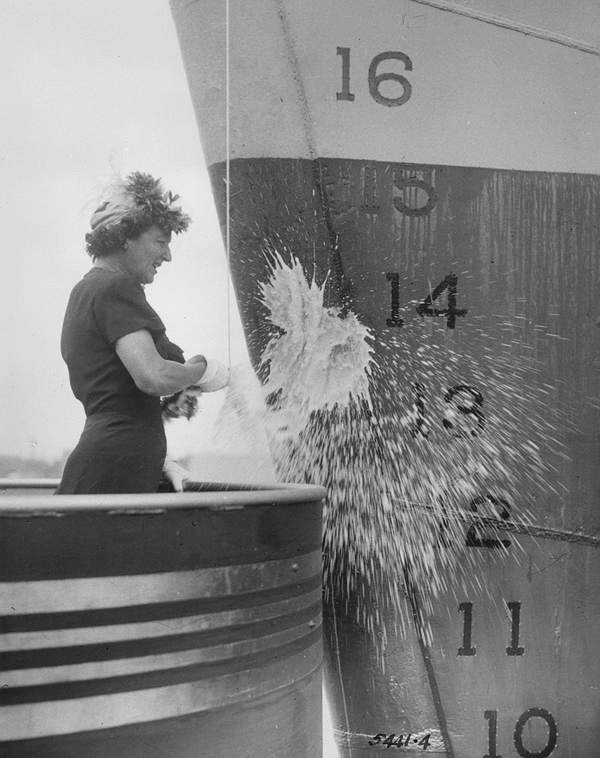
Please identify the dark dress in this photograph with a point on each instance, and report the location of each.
(122, 447)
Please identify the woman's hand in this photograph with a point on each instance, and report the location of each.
(175, 473)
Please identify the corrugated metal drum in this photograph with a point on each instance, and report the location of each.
(181, 625)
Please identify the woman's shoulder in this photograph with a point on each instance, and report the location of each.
(102, 279)
(100, 284)
(117, 301)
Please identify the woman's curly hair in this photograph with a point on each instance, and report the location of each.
(141, 203)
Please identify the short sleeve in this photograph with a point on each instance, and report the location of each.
(122, 308)
(169, 350)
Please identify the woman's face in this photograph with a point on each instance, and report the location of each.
(144, 255)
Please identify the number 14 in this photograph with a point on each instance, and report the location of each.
(449, 284)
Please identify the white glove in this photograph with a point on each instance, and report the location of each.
(175, 473)
(214, 378)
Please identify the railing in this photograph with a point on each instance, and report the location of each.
(32, 495)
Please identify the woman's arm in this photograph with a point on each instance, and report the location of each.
(151, 373)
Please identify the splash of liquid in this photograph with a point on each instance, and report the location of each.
(319, 358)
(408, 443)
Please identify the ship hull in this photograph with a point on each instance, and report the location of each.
(417, 686)
(382, 148)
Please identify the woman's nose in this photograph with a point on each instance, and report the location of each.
(167, 254)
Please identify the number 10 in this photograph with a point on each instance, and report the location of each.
(542, 713)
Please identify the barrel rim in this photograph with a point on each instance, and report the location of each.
(197, 495)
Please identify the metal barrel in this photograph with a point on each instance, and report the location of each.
(435, 163)
(179, 624)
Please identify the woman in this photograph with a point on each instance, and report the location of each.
(119, 358)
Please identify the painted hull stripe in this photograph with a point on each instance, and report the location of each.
(161, 661)
(167, 625)
(63, 595)
(107, 651)
(101, 711)
(149, 680)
